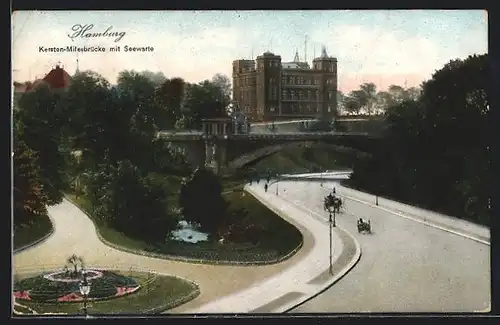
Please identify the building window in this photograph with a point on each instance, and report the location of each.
(283, 94)
(309, 108)
(300, 80)
(317, 95)
(283, 80)
(329, 95)
(301, 95)
(309, 94)
(292, 80)
(275, 93)
(329, 109)
(272, 109)
(292, 95)
(316, 81)
(317, 108)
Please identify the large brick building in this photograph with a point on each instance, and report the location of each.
(267, 89)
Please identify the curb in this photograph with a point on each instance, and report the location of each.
(36, 242)
(336, 277)
(416, 219)
(179, 258)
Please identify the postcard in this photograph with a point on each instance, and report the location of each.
(223, 162)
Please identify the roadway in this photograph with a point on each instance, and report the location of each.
(406, 266)
(74, 233)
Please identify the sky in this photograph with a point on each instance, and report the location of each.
(380, 46)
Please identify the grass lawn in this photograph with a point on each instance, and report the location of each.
(27, 234)
(157, 294)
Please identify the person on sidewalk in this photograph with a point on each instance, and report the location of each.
(334, 191)
(265, 187)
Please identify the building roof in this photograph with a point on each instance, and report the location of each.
(57, 78)
(295, 65)
(21, 88)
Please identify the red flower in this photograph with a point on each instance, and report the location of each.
(22, 295)
(120, 291)
(70, 297)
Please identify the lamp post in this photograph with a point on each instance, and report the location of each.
(84, 287)
(329, 206)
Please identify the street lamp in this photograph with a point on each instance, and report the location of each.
(329, 205)
(277, 183)
(84, 287)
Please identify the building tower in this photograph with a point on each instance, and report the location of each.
(328, 84)
(268, 85)
(244, 85)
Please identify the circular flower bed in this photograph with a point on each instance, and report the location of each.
(63, 287)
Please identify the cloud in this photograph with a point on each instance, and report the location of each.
(376, 50)
(386, 57)
(193, 56)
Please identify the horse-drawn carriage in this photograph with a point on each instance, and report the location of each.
(364, 226)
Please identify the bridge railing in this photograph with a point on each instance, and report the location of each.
(268, 134)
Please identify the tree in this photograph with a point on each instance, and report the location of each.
(29, 198)
(75, 262)
(97, 126)
(397, 93)
(457, 106)
(203, 100)
(413, 93)
(355, 101)
(201, 200)
(340, 101)
(224, 84)
(384, 101)
(169, 96)
(442, 126)
(132, 202)
(369, 91)
(41, 119)
(157, 78)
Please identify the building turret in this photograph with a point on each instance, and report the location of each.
(268, 84)
(328, 83)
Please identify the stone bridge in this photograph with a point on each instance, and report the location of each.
(219, 148)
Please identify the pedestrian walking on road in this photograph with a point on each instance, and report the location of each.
(265, 187)
(334, 191)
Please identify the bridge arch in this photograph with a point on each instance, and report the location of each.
(260, 153)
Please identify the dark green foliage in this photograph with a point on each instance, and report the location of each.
(131, 201)
(436, 152)
(203, 100)
(201, 200)
(39, 122)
